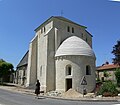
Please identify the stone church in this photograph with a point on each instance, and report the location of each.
(59, 56)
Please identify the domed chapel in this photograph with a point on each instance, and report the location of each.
(60, 55)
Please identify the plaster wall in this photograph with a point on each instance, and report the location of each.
(78, 64)
(42, 60)
(46, 63)
(51, 61)
(33, 68)
(78, 31)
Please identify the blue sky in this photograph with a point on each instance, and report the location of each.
(19, 18)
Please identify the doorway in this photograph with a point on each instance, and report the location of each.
(68, 84)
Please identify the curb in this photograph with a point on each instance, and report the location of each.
(77, 99)
(84, 100)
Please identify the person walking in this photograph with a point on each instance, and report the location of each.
(37, 89)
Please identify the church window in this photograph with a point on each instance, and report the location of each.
(23, 72)
(68, 70)
(86, 40)
(88, 70)
(72, 30)
(68, 29)
(44, 29)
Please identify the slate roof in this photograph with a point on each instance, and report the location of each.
(24, 60)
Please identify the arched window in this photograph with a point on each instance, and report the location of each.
(68, 69)
(88, 70)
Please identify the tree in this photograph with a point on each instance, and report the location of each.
(117, 75)
(5, 70)
(116, 53)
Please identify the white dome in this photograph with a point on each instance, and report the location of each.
(74, 46)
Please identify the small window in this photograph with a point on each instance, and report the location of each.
(68, 29)
(72, 30)
(68, 70)
(86, 40)
(41, 71)
(44, 29)
(23, 72)
(88, 70)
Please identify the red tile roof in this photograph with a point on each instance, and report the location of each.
(107, 66)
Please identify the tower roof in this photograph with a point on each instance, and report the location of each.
(74, 46)
(63, 19)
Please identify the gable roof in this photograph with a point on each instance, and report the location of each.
(108, 67)
(24, 60)
(60, 18)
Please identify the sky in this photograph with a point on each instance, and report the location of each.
(19, 18)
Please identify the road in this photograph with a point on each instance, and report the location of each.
(12, 98)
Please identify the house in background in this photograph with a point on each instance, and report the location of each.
(106, 72)
(60, 55)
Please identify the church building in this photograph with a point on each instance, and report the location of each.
(60, 55)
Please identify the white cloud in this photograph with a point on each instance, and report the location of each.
(115, 0)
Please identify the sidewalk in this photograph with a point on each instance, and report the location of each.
(19, 89)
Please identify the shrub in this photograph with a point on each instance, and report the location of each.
(108, 89)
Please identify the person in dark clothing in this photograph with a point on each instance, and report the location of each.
(37, 88)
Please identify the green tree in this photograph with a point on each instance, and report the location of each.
(5, 70)
(108, 89)
(116, 53)
(117, 75)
